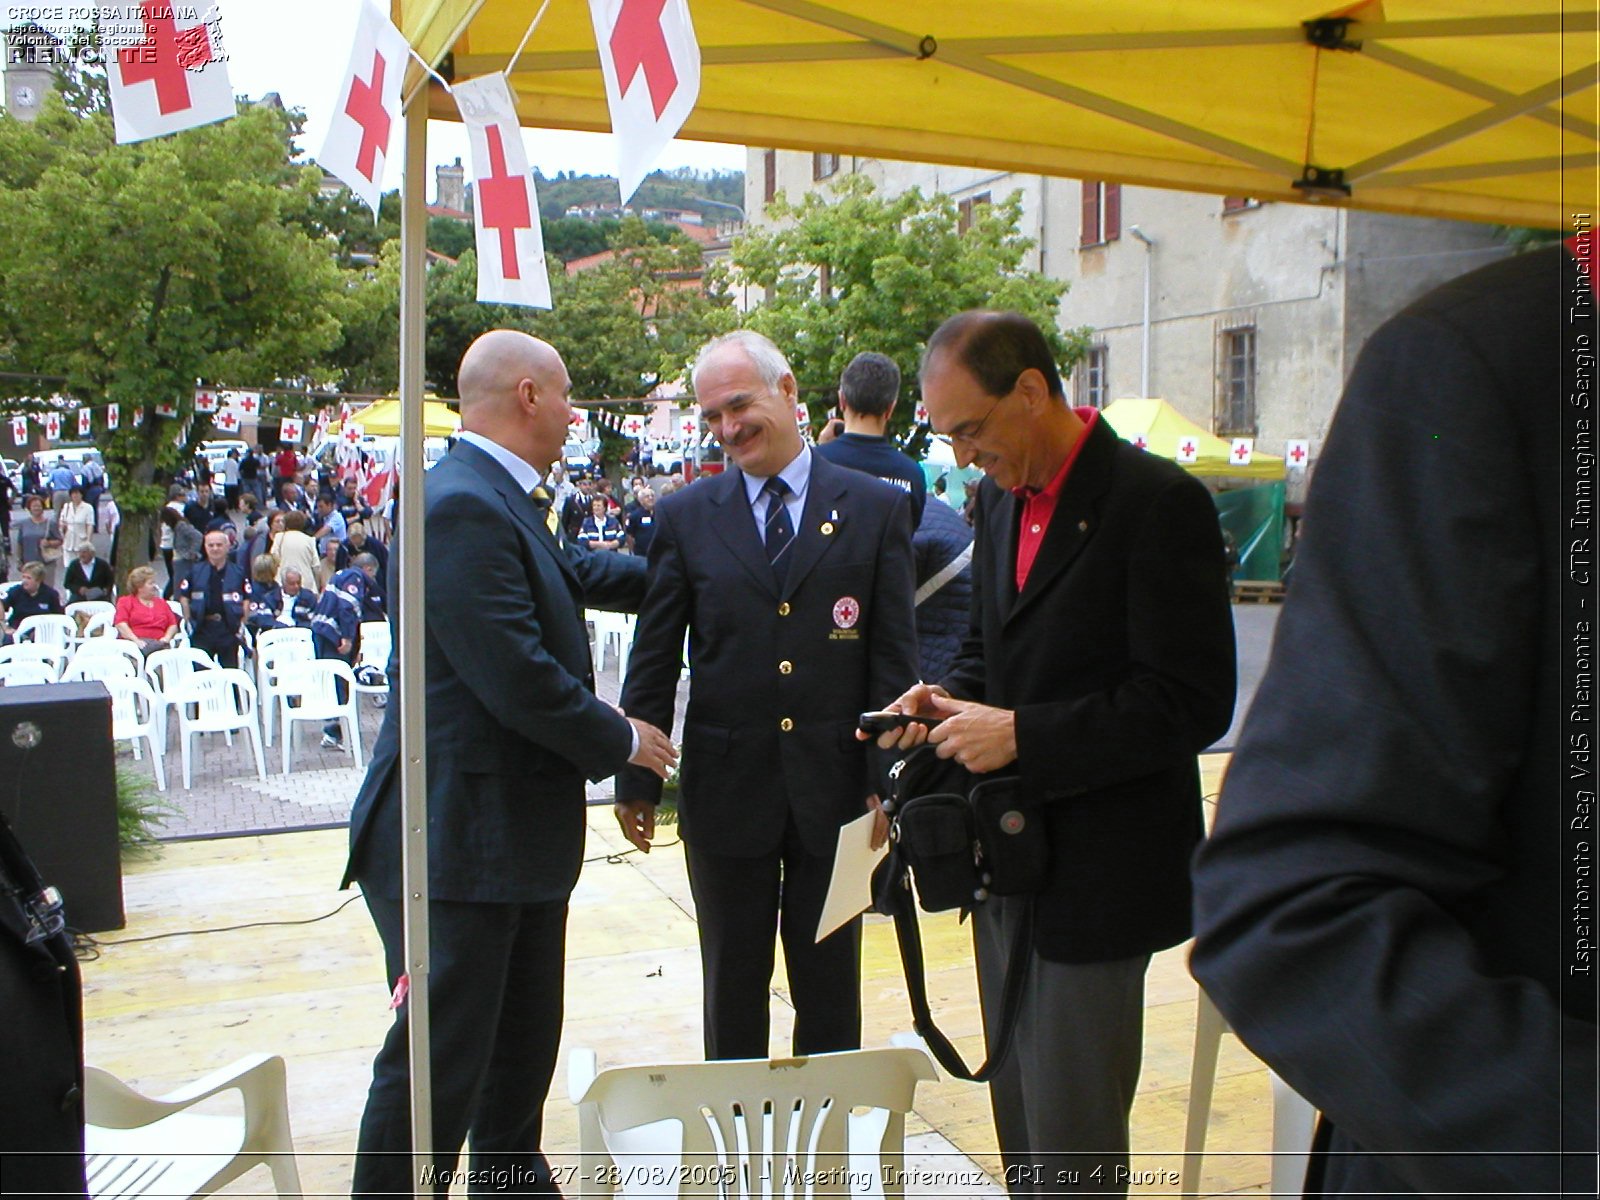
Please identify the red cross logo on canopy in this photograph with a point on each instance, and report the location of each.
(171, 79)
(650, 58)
(511, 267)
(368, 106)
(505, 203)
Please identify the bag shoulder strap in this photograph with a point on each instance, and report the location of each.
(909, 935)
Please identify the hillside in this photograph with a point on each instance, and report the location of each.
(661, 189)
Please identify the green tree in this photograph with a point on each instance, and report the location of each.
(854, 271)
(134, 272)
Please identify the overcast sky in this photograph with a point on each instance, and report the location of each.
(298, 49)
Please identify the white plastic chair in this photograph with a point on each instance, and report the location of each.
(142, 1145)
(49, 629)
(101, 667)
(20, 673)
(88, 609)
(180, 640)
(738, 1129)
(609, 627)
(101, 625)
(275, 648)
(308, 691)
(110, 647)
(51, 658)
(216, 701)
(133, 716)
(167, 669)
(374, 644)
(1293, 1117)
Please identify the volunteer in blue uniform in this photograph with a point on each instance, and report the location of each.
(336, 628)
(216, 601)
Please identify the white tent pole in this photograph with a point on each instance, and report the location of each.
(413, 690)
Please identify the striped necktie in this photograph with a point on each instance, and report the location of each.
(777, 531)
(542, 500)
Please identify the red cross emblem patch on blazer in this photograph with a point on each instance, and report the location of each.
(846, 612)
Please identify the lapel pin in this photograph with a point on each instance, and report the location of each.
(827, 528)
(1083, 527)
(831, 523)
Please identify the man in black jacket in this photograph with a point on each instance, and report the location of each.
(868, 390)
(1099, 663)
(88, 577)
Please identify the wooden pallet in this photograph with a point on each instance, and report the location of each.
(1258, 591)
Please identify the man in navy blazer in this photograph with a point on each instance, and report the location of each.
(514, 729)
(1099, 664)
(1395, 907)
(799, 611)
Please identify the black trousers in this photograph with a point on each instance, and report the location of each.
(740, 904)
(495, 1006)
(217, 640)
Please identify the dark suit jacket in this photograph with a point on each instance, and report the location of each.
(1385, 905)
(1118, 659)
(514, 726)
(839, 639)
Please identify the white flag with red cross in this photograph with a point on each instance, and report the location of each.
(52, 427)
(1140, 442)
(19, 430)
(802, 416)
(1188, 450)
(168, 71)
(85, 422)
(289, 430)
(511, 263)
(205, 400)
(321, 421)
(633, 426)
(166, 409)
(1296, 452)
(367, 107)
(245, 405)
(1242, 451)
(651, 62)
(113, 415)
(227, 421)
(138, 416)
(921, 413)
(352, 433)
(689, 425)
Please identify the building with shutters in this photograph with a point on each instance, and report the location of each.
(1256, 311)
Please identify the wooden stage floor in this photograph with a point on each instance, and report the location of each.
(161, 1012)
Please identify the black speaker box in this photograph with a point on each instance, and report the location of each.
(58, 788)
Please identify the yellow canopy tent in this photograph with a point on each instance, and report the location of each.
(381, 418)
(1482, 109)
(1164, 428)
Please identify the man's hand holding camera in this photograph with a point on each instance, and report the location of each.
(980, 737)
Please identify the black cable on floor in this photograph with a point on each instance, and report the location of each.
(88, 947)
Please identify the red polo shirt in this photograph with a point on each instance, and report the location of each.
(1039, 504)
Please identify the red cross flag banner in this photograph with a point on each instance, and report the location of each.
(689, 426)
(289, 430)
(52, 427)
(113, 416)
(802, 416)
(138, 416)
(205, 400)
(1296, 451)
(634, 426)
(228, 421)
(352, 432)
(1188, 450)
(168, 71)
(166, 409)
(368, 107)
(85, 422)
(511, 264)
(920, 416)
(1242, 452)
(1140, 442)
(651, 63)
(19, 430)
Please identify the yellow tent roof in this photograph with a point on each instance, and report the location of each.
(381, 418)
(1480, 109)
(1163, 427)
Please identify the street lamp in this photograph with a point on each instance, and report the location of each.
(1144, 357)
(720, 204)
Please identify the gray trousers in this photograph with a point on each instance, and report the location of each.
(1061, 1101)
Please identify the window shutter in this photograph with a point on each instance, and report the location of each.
(1112, 218)
(769, 173)
(1090, 233)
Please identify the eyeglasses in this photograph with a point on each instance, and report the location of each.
(968, 437)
